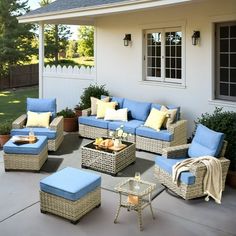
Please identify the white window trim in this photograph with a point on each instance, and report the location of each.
(214, 20)
(165, 82)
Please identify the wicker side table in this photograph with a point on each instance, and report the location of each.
(106, 160)
(139, 193)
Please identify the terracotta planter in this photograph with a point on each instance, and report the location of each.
(71, 124)
(4, 138)
(231, 179)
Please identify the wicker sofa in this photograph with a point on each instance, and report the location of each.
(54, 133)
(146, 139)
(191, 182)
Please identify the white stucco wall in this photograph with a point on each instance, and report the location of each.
(120, 68)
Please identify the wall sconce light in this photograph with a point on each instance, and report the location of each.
(127, 39)
(195, 37)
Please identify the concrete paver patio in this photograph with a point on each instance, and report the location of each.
(20, 211)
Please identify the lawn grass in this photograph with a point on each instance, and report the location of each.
(13, 102)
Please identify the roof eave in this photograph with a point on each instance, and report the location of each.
(98, 10)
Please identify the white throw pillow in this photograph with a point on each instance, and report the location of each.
(118, 115)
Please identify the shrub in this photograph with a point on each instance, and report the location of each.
(5, 127)
(93, 90)
(67, 113)
(225, 122)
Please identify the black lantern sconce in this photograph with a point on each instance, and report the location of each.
(127, 40)
(195, 37)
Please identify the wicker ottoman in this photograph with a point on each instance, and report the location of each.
(70, 193)
(29, 156)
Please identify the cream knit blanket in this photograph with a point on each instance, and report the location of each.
(212, 183)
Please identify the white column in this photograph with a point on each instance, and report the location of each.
(41, 58)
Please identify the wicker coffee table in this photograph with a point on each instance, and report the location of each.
(139, 197)
(106, 160)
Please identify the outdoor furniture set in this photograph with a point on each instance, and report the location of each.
(62, 194)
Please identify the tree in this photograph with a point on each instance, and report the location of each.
(56, 37)
(86, 41)
(72, 49)
(15, 39)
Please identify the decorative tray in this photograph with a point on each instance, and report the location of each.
(18, 140)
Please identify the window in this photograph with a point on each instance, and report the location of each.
(226, 61)
(163, 55)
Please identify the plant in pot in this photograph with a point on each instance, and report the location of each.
(70, 120)
(5, 129)
(93, 90)
(224, 121)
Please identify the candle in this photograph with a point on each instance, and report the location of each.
(132, 199)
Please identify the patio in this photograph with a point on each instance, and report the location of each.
(20, 210)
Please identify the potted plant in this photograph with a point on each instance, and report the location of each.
(224, 121)
(93, 90)
(5, 129)
(70, 120)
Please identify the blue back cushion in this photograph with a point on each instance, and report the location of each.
(119, 101)
(42, 105)
(137, 110)
(206, 142)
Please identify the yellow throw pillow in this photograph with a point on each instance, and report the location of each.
(171, 114)
(103, 106)
(155, 119)
(94, 104)
(35, 119)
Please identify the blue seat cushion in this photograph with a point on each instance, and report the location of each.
(70, 183)
(30, 148)
(93, 121)
(129, 126)
(137, 110)
(206, 142)
(164, 134)
(166, 164)
(42, 105)
(158, 106)
(51, 134)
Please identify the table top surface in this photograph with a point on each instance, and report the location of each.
(92, 146)
(135, 187)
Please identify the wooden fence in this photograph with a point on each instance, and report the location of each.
(21, 76)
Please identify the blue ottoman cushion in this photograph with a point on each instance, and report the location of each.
(70, 183)
(32, 148)
(166, 164)
(39, 131)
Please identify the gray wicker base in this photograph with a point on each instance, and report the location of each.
(53, 144)
(189, 191)
(91, 132)
(71, 210)
(25, 161)
(106, 162)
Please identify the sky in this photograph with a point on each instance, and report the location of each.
(35, 4)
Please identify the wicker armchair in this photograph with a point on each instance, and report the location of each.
(18, 126)
(188, 191)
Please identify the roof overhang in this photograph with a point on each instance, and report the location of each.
(87, 15)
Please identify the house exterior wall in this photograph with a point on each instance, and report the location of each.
(120, 68)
